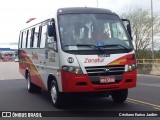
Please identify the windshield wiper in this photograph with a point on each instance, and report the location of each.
(90, 45)
(116, 45)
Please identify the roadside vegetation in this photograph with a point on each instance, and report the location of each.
(141, 24)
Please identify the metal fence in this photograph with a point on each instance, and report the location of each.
(148, 61)
(148, 66)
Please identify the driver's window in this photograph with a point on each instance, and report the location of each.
(51, 32)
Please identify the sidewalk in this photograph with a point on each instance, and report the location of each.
(9, 70)
(149, 75)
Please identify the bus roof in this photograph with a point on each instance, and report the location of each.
(67, 10)
(83, 10)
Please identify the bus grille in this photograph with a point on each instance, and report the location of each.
(105, 70)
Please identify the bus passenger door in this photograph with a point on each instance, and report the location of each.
(51, 52)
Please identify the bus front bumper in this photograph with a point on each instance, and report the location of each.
(82, 83)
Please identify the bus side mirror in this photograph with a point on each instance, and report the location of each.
(51, 30)
(127, 26)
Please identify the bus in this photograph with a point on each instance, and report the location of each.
(78, 50)
(8, 56)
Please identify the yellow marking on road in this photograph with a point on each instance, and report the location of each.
(132, 102)
(156, 108)
(144, 103)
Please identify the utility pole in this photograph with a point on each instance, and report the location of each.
(152, 31)
(97, 3)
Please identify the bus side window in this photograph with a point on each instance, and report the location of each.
(20, 40)
(32, 37)
(36, 37)
(28, 39)
(43, 36)
(24, 39)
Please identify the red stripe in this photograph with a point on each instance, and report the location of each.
(24, 63)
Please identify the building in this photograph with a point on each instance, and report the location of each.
(7, 54)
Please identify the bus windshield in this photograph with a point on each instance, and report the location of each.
(92, 32)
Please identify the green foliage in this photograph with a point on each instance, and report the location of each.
(142, 28)
(147, 54)
(141, 31)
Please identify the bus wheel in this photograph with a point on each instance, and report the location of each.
(119, 96)
(32, 88)
(56, 96)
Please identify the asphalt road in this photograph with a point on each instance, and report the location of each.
(15, 97)
(147, 90)
(145, 97)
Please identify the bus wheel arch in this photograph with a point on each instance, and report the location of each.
(50, 79)
(32, 88)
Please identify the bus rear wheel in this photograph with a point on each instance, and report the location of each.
(119, 96)
(32, 88)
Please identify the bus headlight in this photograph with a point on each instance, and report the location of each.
(73, 69)
(131, 67)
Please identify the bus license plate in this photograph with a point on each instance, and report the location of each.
(109, 79)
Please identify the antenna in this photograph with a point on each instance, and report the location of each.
(85, 3)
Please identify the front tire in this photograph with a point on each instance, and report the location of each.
(55, 95)
(119, 96)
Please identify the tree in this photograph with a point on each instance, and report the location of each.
(141, 26)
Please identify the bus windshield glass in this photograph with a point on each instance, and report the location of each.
(93, 32)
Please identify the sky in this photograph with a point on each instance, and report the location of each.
(14, 13)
